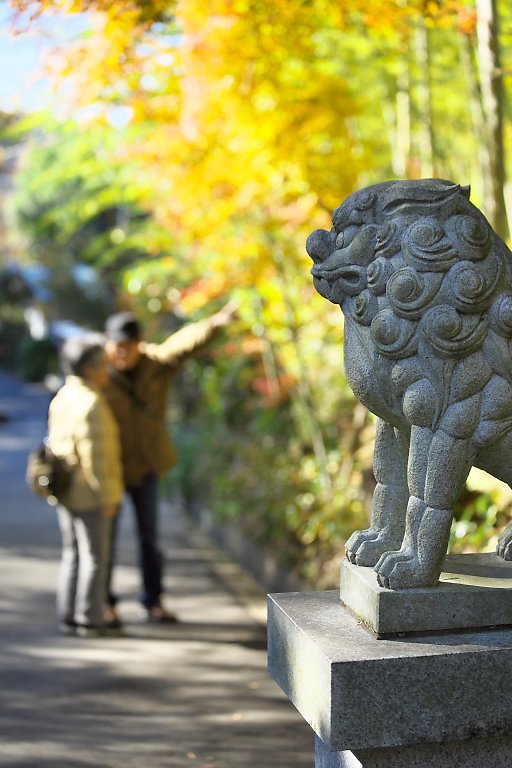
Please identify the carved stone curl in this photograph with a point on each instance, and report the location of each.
(426, 289)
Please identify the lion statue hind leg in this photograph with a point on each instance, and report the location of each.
(496, 459)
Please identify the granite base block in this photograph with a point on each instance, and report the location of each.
(358, 692)
(473, 753)
(474, 591)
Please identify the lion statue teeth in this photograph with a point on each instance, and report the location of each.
(425, 286)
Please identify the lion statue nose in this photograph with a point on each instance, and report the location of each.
(319, 245)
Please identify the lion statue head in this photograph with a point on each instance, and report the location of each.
(415, 261)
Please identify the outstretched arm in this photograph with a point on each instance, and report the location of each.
(190, 339)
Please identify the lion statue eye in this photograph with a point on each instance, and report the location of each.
(346, 236)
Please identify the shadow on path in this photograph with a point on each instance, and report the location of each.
(195, 694)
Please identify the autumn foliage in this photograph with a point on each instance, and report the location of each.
(216, 134)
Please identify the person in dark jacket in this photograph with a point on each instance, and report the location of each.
(139, 378)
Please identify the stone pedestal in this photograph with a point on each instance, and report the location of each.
(476, 753)
(474, 592)
(419, 701)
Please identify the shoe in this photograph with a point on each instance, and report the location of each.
(155, 614)
(67, 628)
(114, 625)
(111, 618)
(91, 630)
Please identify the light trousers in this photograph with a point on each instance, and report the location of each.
(81, 583)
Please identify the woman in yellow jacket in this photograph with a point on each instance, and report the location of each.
(82, 430)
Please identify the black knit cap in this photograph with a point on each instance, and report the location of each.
(123, 326)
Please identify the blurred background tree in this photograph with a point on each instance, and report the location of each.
(197, 144)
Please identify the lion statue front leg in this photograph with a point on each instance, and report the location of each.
(389, 502)
(504, 546)
(438, 467)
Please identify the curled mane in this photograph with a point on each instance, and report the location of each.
(439, 276)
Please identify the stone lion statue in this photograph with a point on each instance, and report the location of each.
(425, 285)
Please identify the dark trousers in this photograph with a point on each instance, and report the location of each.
(144, 499)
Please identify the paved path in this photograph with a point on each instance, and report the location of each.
(196, 695)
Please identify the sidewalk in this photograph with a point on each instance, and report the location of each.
(196, 694)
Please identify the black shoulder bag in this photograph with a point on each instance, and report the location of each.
(48, 476)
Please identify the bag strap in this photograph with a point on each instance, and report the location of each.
(122, 383)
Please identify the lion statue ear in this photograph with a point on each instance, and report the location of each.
(418, 195)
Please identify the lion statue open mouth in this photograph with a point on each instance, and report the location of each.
(425, 285)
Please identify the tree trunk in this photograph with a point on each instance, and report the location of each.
(425, 128)
(467, 59)
(492, 102)
(402, 148)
